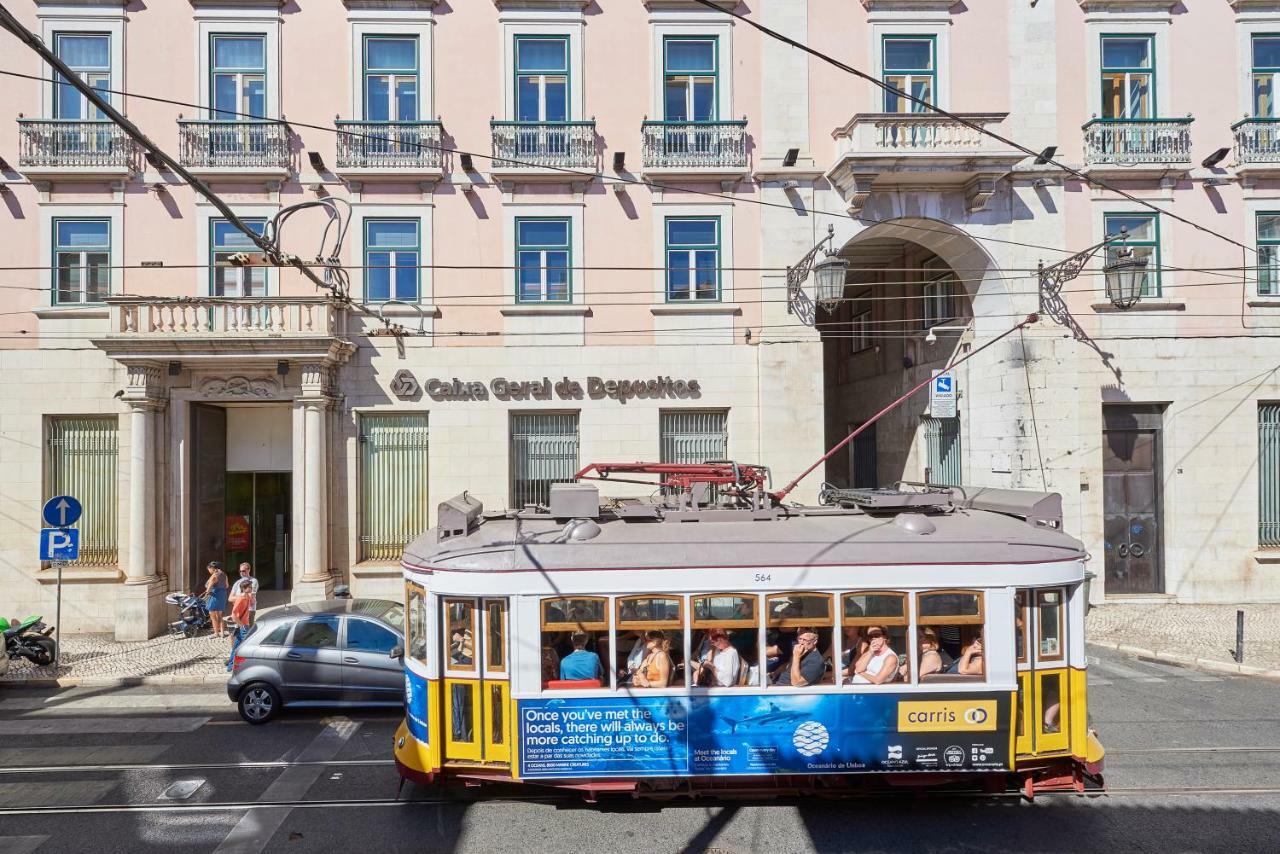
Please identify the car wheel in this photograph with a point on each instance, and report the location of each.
(258, 703)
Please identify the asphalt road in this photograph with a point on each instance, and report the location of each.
(1193, 765)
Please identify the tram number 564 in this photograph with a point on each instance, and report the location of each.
(762, 577)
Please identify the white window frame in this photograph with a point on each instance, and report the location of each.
(921, 23)
(1157, 25)
(114, 214)
(724, 211)
(211, 21)
(394, 22)
(860, 327)
(424, 212)
(1168, 248)
(699, 24)
(205, 214)
(574, 212)
(1248, 25)
(81, 20)
(540, 22)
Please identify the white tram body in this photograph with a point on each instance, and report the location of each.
(493, 602)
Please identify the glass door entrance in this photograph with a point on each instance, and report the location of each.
(257, 526)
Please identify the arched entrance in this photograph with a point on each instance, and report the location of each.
(918, 291)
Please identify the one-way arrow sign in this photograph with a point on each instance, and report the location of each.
(61, 511)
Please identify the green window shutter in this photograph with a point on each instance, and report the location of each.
(394, 467)
(1269, 474)
(694, 436)
(544, 450)
(84, 461)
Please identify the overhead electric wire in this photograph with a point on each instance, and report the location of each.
(974, 126)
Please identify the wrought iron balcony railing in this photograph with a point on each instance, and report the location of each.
(695, 145)
(222, 316)
(247, 145)
(1257, 140)
(389, 145)
(1130, 142)
(74, 144)
(567, 145)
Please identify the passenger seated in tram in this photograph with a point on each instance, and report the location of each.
(931, 654)
(655, 669)
(581, 664)
(550, 665)
(635, 655)
(971, 661)
(778, 644)
(461, 649)
(720, 666)
(855, 644)
(806, 666)
(878, 664)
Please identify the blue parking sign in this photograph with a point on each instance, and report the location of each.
(59, 544)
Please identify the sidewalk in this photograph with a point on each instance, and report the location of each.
(94, 659)
(1200, 635)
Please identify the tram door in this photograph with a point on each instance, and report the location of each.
(477, 680)
(1043, 676)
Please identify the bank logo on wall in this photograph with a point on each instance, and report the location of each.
(811, 738)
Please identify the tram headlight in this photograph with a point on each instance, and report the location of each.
(400, 743)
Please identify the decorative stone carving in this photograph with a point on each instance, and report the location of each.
(243, 387)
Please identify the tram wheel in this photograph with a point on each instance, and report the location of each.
(258, 703)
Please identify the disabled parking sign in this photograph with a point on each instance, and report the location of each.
(942, 396)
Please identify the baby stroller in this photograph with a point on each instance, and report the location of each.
(192, 614)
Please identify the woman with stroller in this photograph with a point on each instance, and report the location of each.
(216, 592)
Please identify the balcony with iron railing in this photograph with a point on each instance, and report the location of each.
(702, 148)
(1137, 148)
(1257, 147)
(371, 150)
(75, 148)
(543, 150)
(248, 148)
(894, 150)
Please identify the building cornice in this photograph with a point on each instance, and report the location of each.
(908, 5)
(238, 4)
(1166, 6)
(548, 5)
(111, 4)
(1254, 5)
(654, 5)
(392, 5)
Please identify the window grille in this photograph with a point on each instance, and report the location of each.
(694, 436)
(84, 461)
(1269, 474)
(394, 483)
(942, 438)
(544, 450)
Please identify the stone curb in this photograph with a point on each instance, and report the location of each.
(1201, 663)
(112, 681)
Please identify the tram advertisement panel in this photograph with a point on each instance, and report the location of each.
(415, 705)
(763, 734)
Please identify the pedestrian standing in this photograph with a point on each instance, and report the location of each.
(216, 592)
(246, 587)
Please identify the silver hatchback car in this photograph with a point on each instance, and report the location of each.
(343, 652)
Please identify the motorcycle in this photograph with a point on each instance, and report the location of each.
(29, 639)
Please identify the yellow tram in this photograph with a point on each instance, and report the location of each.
(698, 643)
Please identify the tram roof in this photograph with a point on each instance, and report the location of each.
(801, 537)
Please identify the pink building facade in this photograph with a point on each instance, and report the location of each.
(578, 217)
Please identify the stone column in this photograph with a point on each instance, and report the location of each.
(140, 608)
(317, 579)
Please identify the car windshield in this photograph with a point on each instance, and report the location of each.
(392, 613)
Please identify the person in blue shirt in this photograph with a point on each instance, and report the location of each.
(581, 664)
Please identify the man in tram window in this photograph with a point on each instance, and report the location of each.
(581, 664)
(806, 666)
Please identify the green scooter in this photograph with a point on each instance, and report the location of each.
(29, 639)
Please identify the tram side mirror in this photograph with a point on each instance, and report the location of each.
(397, 652)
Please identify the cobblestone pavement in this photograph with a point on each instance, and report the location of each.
(1192, 631)
(101, 656)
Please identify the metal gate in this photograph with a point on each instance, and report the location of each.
(694, 436)
(1269, 475)
(942, 439)
(1131, 499)
(544, 450)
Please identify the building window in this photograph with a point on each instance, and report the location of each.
(89, 56)
(82, 261)
(543, 260)
(694, 436)
(942, 443)
(690, 79)
(1266, 74)
(393, 483)
(230, 281)
(544, 450)
(693, 258)
(860, 326)
(863, 465)
(392, 248)
(1268, 254)
(83, 460)
(939, 293)
(542, 79)
(910, 66)
(1144, 239)
(391, 73)
(238, 77)
(1128, 77)
(1269, 475)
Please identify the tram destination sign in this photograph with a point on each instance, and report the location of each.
(549, 388)
(763, 734)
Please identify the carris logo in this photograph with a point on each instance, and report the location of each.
(975, 715)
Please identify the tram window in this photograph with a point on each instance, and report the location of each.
(416, 628)
(788, 617)
(1020, 625)
(461, 634)
(731, 617)
(649, 652)
(495, 641)
(496, 733)
(575, 642)
(1051, 701)
(794, 610)
(863, 611)
(462, 713)
(956, 616)
(1049, 624)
